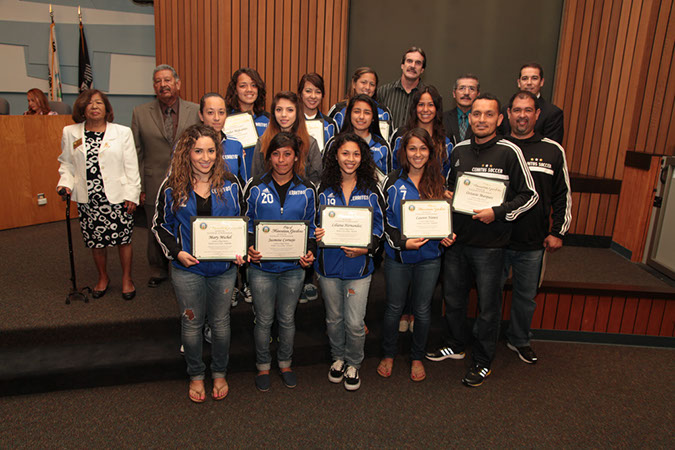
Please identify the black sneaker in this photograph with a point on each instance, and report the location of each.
(476, 375)
(337, 371)
(525, 353)
(444, 352)
(352, 380)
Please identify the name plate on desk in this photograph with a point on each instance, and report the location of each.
(219, 238)
(429, 219)
(475, 192)
(281, 239)
(346, 226)
(242, 127)
(315, 129)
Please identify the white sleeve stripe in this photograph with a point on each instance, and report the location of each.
(528, 180)
(568, 208)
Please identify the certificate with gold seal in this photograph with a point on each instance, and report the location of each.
(219, 238)
(429, 219)
(476, 192)
(242, 127)
(346, 226)
(281, 239)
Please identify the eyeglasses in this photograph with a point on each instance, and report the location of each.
(466, 88)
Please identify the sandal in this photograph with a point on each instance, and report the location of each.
(417, 372)
(385, 366)
(221, 392)
(197, 395)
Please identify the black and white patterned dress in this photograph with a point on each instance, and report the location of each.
(102, 224)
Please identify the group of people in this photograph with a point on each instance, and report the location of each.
(380, 146)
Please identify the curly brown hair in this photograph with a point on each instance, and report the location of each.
(231, 98)
(180, 173)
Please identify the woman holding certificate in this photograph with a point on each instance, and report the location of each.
(311, 91)
(199, 184)
(426, 111)
(280, 205)
(364, 81)
(345, 271)
(246, 93)
(412, 264)
(363, 121)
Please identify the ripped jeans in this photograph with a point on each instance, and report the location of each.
(199, 296)
(345, 302)
(274, 293)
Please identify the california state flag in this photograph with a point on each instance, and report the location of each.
(54, 71)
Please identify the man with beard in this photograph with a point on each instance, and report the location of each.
(398, 94)
(456, 120)
(482, 236)
(550, 121)
(530, 236)
(156, 126)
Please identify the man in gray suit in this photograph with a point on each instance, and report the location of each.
(156, 126)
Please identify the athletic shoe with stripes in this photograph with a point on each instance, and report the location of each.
(476, 375)
(337, 371)
(525, 353)
(352, 380)
(445, 352)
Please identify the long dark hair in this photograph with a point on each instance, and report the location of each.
(439, 135)
(331, 176)
(432, 183)
(315, 79)
(374, 125)
(231, 99)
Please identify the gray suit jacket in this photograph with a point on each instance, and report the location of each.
(153, 147)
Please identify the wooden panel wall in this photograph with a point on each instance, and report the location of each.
(598, 310)
(616, 83)
(207, 40)
(30, 148)
(593, 213)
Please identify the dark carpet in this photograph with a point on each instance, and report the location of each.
(577, 396)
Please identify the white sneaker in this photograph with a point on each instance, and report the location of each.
(352, 380)
(337, 371)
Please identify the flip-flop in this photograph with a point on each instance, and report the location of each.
(220, 390)
(197, 398)
(384, 367)
(417, 373)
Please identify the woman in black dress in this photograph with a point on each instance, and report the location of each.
(99, 169)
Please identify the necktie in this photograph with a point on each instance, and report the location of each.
(168, 124)
(463, 125)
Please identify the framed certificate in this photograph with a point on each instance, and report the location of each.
(476, 192)
(219, 238)
(384, 129)
(315, 129)
(242, 127)
(346, 226)
(429, 219)
(281, 239)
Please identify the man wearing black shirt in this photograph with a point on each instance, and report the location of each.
(531, 236)
(482, 237)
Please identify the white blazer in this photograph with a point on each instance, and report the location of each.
(117, 159)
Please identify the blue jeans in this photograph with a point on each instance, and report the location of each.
(526, 271)
(274, 291)
(345, 302)
(420, 280)
(198, 297)
(462, 265)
